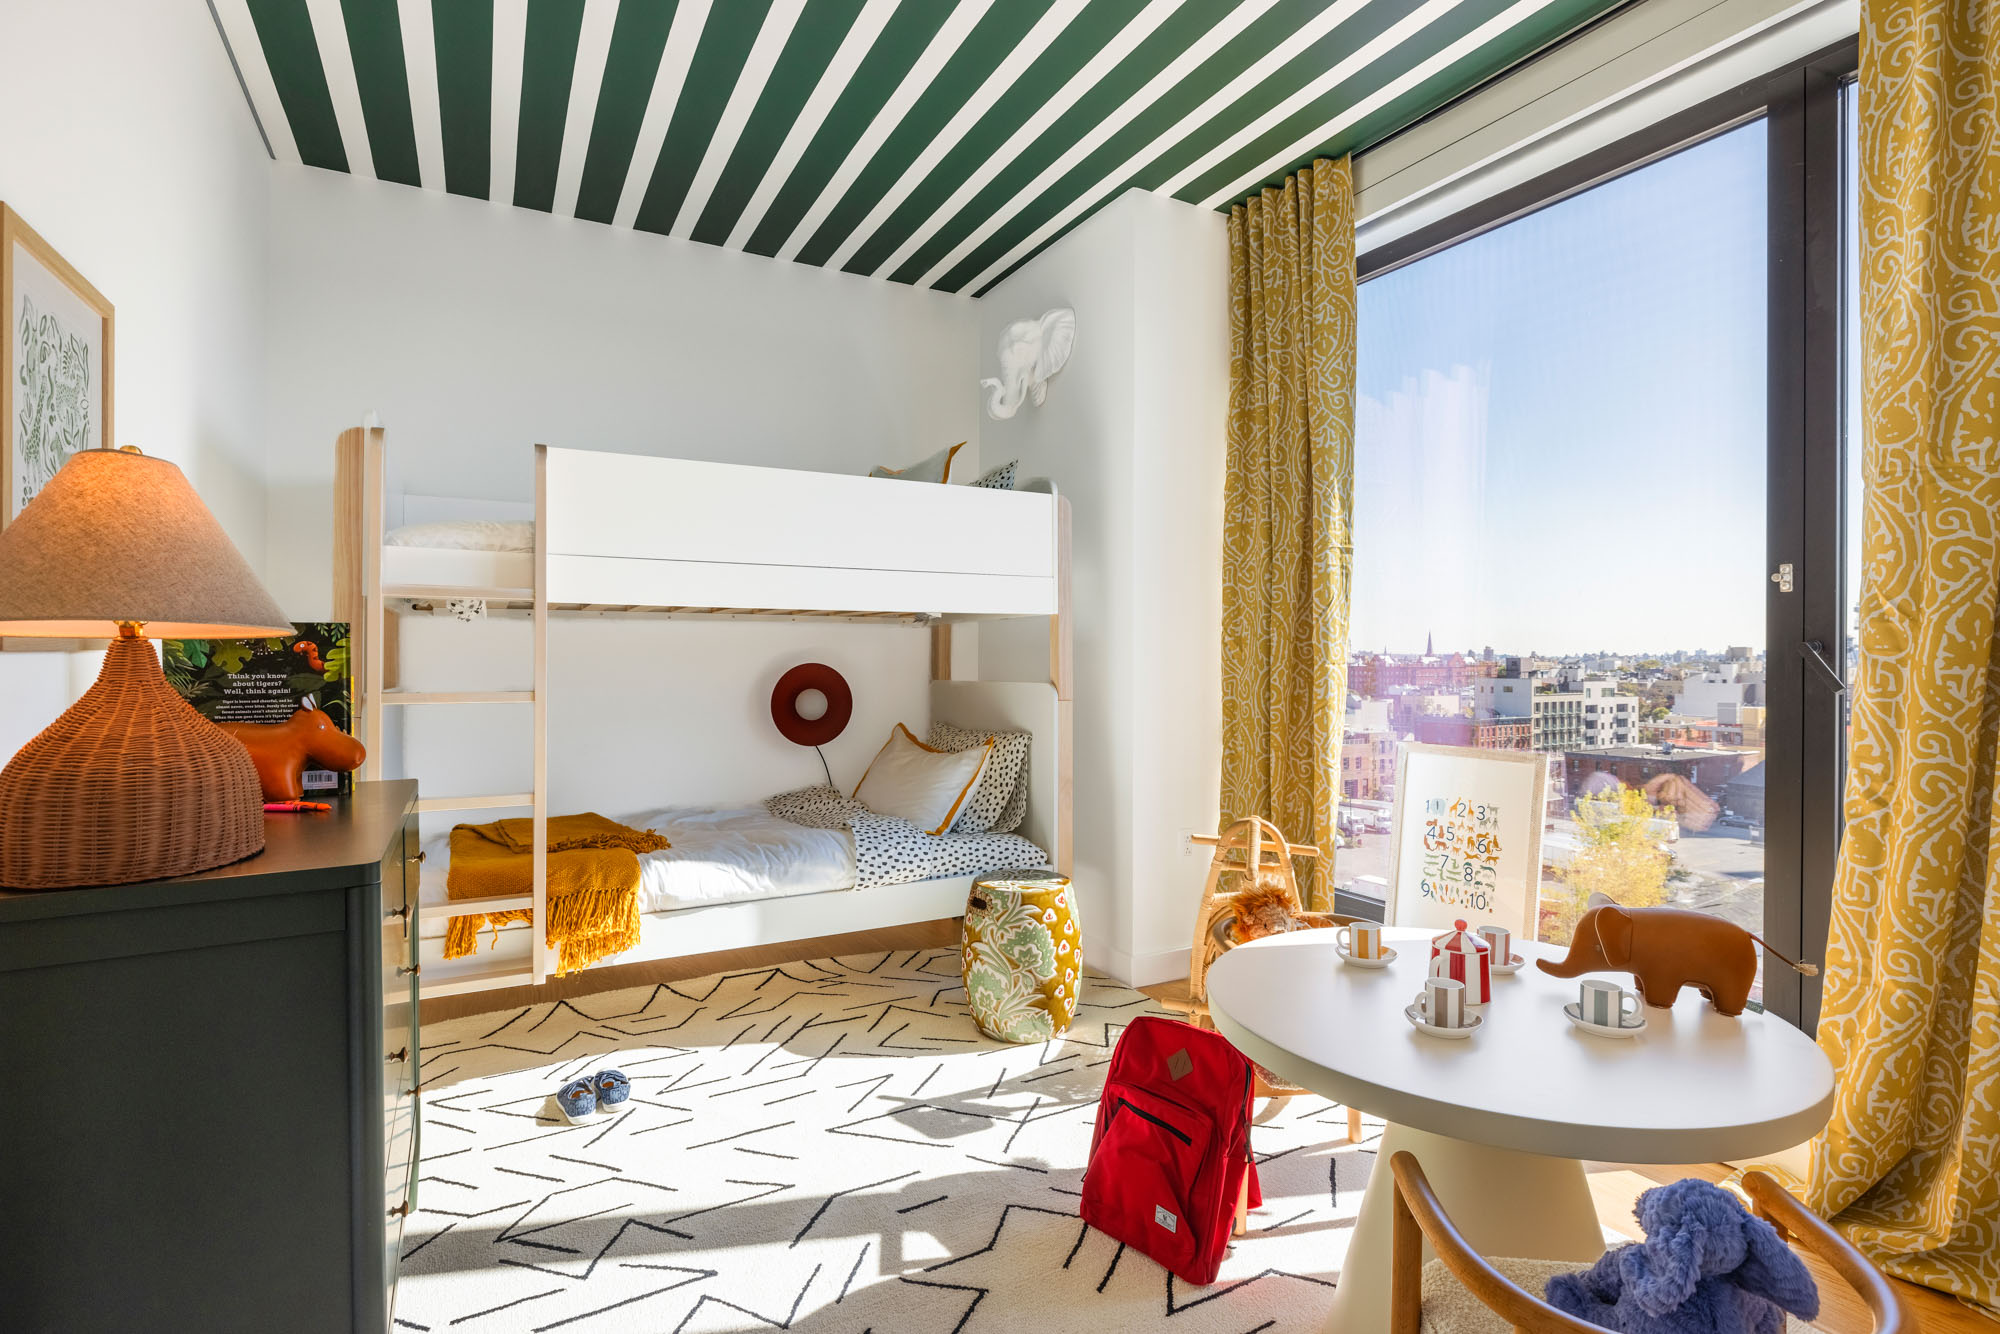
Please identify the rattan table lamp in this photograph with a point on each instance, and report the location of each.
(130, 783)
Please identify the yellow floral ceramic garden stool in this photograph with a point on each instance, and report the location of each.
(1023, 955)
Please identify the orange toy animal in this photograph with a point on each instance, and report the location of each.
(280, 751)
(1666, 949)
(1266, 909)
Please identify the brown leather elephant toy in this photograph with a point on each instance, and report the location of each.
(280, 751)
(1666, 949)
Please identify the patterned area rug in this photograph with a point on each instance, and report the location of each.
(824, 1146)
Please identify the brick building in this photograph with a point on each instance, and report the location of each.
(1679, 731)
(1377, 674)
(1485, 733)
(1368, 765)
(1709, 770)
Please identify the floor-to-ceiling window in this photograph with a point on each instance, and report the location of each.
(1580, 483)
(1855, 483)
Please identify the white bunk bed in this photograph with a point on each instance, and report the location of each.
(743, 542)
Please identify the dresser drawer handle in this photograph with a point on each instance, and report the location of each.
(394, 913)
(401, 1211)
(400, 1054)
(419, 858)
(410, 971)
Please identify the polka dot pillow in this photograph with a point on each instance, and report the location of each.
(1000, 478)
(999, 802)
(814, 807)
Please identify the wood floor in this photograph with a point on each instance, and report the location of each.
(1615, 1186)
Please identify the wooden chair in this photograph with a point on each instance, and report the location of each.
(1502, 1304)
(1243, 851)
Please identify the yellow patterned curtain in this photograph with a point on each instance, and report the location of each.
(1910, 1162)
(1288, 504)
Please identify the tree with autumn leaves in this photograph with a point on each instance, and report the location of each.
(1618, 854)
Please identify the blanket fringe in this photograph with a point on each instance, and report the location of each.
(584, 928)
(593, 903)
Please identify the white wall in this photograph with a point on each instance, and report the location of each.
(1133, 433)
(476, 331)
(129, 148)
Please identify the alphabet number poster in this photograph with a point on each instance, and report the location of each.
(1467, 834)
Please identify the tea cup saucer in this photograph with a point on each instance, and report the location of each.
(1508, 969)
(1423, 1025)
(1605, 1030)
(1388, 957)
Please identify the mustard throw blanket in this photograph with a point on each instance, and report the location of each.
(593, 883)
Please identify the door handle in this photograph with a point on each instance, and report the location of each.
(1814, 652)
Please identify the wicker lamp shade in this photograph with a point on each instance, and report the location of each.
(130, 783)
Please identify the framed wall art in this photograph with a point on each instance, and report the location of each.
(1467, 837)
(55, 373)
(55, 363)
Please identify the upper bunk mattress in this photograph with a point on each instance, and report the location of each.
(718, 856)
(461, 553)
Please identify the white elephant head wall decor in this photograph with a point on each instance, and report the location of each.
(1031, 351)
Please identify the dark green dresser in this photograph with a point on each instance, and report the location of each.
(210, 1110)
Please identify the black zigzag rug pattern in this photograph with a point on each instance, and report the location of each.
(823, 1146)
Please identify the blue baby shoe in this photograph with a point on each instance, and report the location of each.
(612, 1088)
(578, 1100)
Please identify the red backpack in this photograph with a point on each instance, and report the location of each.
(1172, 1146)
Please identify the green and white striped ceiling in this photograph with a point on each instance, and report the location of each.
(935, 142)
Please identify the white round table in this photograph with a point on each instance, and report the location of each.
(1502, 1121)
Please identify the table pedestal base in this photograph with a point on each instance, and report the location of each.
(1505, 1203)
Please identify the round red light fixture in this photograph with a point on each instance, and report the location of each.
(785, 701)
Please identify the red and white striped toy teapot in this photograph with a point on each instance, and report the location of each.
(1460, 954)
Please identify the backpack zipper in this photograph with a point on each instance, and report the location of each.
(1165, 1125)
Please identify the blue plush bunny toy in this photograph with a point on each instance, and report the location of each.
(1707, 1266)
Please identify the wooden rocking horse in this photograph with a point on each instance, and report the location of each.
(1252, 891)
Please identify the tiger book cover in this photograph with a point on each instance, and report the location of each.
(268, 680)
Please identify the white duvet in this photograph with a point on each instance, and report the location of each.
(718, 856)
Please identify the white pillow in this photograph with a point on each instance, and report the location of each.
(922, 785)
(466, 535)
(936, 468)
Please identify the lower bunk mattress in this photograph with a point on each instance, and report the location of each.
(744, 854)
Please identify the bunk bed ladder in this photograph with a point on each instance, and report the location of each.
(360, 599)
(540, 943)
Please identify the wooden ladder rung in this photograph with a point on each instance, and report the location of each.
(457, 697)
(476, 907)
(498, 801)
(474, 979)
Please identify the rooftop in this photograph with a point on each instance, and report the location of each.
(1673, 752)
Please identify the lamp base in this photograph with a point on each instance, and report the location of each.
(129, 784)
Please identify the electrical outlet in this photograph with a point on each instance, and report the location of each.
(1188, 846)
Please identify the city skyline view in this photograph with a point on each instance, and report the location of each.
(1668, 656)
(1535, 468)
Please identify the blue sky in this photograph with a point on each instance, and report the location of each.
(1560, 429)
